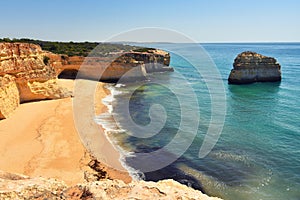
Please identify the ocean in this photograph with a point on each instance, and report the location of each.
(256, 155)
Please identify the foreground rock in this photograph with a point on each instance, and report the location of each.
(249, 67)
(14, 186)
(25, 76)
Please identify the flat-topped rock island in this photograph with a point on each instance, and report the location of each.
(250, 67)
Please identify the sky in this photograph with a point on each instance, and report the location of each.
(200, 20)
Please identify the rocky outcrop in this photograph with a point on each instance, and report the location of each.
(13, 186)
(25, 76)
(132, 64)
(155, 60)
(249, 67)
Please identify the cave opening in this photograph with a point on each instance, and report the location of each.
(68, 74)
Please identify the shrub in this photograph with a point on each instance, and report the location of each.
(143, 50)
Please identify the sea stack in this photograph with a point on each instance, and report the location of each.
(250, 67)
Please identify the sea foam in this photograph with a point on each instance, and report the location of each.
(110, 127)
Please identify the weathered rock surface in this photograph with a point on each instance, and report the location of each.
(133, 65)
(9, 95)
(24, 76)
(13, 186)
(249, 67)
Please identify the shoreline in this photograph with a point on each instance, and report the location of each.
(50, 151)
(40, 139)
(103, 108)
(107, 120)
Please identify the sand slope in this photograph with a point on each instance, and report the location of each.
(40, 139)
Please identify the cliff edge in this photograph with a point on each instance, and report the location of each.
(15, 186)
(250, 67)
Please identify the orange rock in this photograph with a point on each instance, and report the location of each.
(24, 76)
(249, 67)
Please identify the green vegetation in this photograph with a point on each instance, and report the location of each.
(76, 48)
(142, 50)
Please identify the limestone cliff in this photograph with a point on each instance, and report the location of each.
(155, 60)
(13, 186)
(24, 76)
(249, 67)
(27, 73)
(111, 69)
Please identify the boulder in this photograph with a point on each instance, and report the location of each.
(250, 67)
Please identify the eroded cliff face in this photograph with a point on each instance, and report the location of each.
(252, 67)
(14, 186)
(24, 76)
(9, 95)
(27, 73)
(134, 65)
(155, 60)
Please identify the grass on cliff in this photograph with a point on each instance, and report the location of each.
(75, 48)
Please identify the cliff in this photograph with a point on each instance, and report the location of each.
(15, 186)
(136, 65)
(249, 67)
(27, 73)
(25, 76)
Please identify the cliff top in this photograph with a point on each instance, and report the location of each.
(250, 59)
(81, 48)
(74, 48)
(251, 54)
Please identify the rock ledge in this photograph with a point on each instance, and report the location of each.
(15, 186)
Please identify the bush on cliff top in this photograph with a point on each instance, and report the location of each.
(142, 50)
(75, 48)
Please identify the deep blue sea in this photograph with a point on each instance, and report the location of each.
(257, 155)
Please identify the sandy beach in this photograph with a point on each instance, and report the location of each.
(40, 139)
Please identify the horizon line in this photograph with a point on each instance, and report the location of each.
(200, 42)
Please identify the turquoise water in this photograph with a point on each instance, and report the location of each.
(258, 153)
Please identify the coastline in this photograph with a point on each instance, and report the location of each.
(116, 169)
(40, 139)
(107, 123)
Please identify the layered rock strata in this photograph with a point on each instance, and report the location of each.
(25, 76)
(249, 67)
(129, 65)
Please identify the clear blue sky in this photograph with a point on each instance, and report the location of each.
(202, 20)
